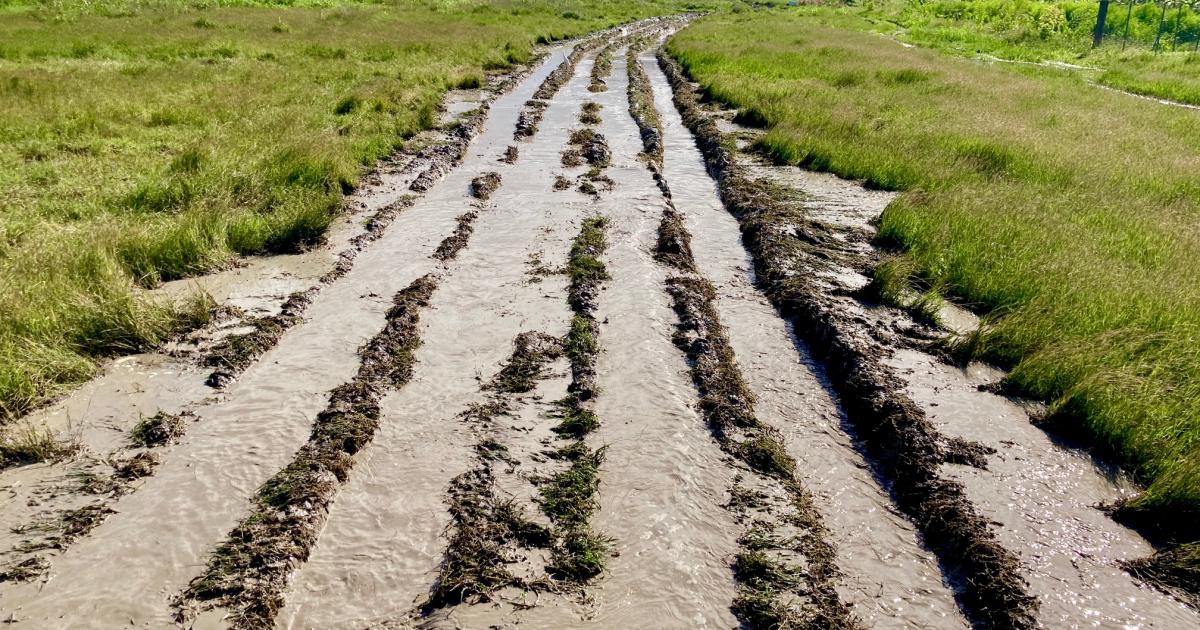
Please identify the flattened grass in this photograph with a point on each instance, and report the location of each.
(1065, 212)
(148, 141)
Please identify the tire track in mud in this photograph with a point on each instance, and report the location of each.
(161, 532)
(663, 482)
(785, 566)
(381, 550)
(888, 579)
(905, 447)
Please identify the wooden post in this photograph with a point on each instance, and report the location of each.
(1128, 14)
(1098, 35)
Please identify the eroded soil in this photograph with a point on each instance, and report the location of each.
(576, 362)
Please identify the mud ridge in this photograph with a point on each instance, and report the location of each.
(903, 443)
(602, 68)
(568, 498)
(491, 533)
(531, 114)
(249, 571)
(782, 522)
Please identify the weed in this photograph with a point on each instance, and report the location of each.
(28, 444)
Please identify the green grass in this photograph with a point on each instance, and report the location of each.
(1067, 213)
(152, 140)
(1058, 30)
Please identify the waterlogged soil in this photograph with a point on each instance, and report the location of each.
(889, 580)
(1043, 495)
(494, 233)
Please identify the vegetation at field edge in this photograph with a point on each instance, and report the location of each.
(1066, 213)
(145, 141)
(1060, 31)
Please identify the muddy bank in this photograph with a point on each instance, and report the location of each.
(903, 444)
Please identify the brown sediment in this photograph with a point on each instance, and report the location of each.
(451, 245)
(601, 68)
(249, 571)
(484, 185)
(895, 432)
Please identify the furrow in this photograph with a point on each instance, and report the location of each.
(900, 439)
(248, 572)
(786, 564)
(887, 579)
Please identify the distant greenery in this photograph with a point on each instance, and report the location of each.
(1069, 215)
(1058, 30)
(148, 140)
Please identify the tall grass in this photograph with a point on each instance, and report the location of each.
(1059, 30)
(144, 141)
(1067, 213)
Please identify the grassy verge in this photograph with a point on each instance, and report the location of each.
(146, 141)
(1065, 212)
(1061, 31)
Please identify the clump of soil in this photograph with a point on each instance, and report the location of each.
(601, 68)
(957, 450)
(592, 146)
(894, 430)
(453, 244)
(233, 354)
(160, 429)
(561, 183)
(249, 571)
(571, 158)
(530, 119)
(484, 185)
(136, 467)
(590, 114)
(510, 155)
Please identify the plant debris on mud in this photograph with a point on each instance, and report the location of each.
(901, 440)
(249, 571)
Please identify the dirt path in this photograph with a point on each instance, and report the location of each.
(891, 580)
(567, 387)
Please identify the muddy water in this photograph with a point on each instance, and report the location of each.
(127, 570)
(890, 580)
(664, 481)
(380, 551)
(1044, 496)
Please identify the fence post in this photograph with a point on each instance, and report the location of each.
(1161, 21)
(1098, 35)
(1128, 15)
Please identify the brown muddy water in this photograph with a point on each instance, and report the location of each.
(664, 484)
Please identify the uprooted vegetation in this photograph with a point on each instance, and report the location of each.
(902, 442)
(484, 185)
(451, 245)
(160, 429)
(249, 571)
(601, 69)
